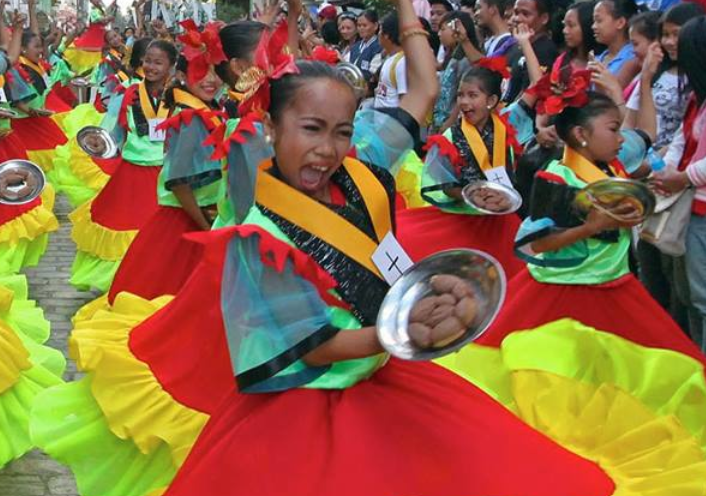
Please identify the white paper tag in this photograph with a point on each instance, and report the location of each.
(45, 77)
(499, 175)
(93, 95)
(3, 96)
(391, 259)
(157, 134)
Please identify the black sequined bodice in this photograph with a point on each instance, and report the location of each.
(356, 285)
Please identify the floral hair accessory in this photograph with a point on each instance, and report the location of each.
(494, 64)
(272, 60)
(201, 49)
(560, 89)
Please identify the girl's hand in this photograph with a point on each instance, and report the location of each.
(269, 13)
(294, 7)
(653, 59)
(599, 221)
(606, 82)
(523, 34)
(18, 20)
(547, 137)
(670, 181)
(459, 30)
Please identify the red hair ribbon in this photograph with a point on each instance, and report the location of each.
(201, 49)
(272, 61)
(494, 64)
(221, 143)
(560, 89)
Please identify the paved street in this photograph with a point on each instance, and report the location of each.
(35, 474)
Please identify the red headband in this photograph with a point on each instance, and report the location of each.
(494, 64)
(201, 49)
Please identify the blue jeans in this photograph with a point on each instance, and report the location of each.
(696, 269)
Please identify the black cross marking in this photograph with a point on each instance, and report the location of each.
(393, 263)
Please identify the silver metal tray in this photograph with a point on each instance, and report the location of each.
(480, 270)
(354, 76)
(21, 181)
(97, 142)
(511, 196)
(606, 194)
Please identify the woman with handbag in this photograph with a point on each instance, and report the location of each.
(686, 163)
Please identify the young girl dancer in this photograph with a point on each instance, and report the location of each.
(104, 227)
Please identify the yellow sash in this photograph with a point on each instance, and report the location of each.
(584, 168)
(186, 99)
(322, 222)
(236, 96)
(140, 72)
(25, 61)
(147, 105)
(480, 152)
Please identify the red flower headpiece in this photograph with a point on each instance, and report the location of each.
(495, 64)
(201, 49)
(272, 61)
(561, 88)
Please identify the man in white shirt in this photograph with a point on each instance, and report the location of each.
(393, 74)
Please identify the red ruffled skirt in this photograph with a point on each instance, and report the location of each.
(425, 231)
(92, 38)
(129, 198)
(38, 133)
(159, 260)
(11, 147)
(60, 99)
(622, 307)
(412, 428)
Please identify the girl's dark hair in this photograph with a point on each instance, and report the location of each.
(692, 56)
(682, 13)
(167, 48)
(584, 11)
(467, 22)
(139, 48)
(240, 38)
(27, 37)
(621, 8)
(489, 81)
(571, 117)
(283, 90)
(371, 15)
(647, 24)
(433, 37)
(329, 33)
(390, 27)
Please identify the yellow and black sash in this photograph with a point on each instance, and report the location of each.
(318, 220)
(585, 169)
(186, 99)
(478, 148)
(147, 104)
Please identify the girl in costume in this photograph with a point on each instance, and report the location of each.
(160, 259)
(481, 146)
(79, 175)
(104, 227)
(24, 229)
(579, 269)
(85, 53)
(347, 406)
(35, 126)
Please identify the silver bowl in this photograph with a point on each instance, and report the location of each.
(511, 195)
(354, 76)
(605, 194)
(80, 82)
(21, 181)
(97, 142)
(480, 270)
